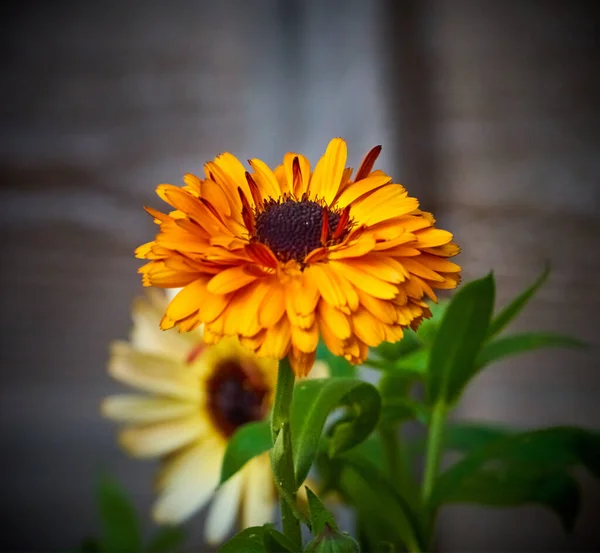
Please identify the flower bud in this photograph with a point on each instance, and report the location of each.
(332, 541)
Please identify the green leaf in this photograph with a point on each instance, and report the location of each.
(458, 341)
(522, 343)
(429, 327)
(276, 542)
(389, 351)
(396, 403)
(413, 365)
(548, 449)
(250, 540)
(168, 539)
(378, 503)
(466, 437)
(338, 366)
(120, 527)
(249, 440)
(516, 306)
(319, 515)
(314, 401)
(511, 485)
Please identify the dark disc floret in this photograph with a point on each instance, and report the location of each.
(292, 228)
(236, 395)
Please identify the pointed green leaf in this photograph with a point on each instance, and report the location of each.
(250, 540)
(314, 400)
(276, 542)
(516, 306)
(548, 449)
(522, 343)
(120, 526)
(458, 341)
(249, 441)
(168, 539)
(511, 485)
(377, 502)
(319, 515)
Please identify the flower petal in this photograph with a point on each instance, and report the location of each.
(230, 279)
(190, 481)
(327, 177)
(158, 439)
(144, 409)
(224, 510)
(152, 373)
(259, 493)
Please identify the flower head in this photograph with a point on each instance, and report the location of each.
(195, 397)
(280, 257)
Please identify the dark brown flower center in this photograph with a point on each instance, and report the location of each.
(237, 394)
(292, 229)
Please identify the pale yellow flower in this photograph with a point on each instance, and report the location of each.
(194, 398)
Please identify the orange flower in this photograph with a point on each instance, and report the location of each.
(279, 257)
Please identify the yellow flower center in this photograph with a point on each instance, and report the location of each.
(237, 394)
(292, 228)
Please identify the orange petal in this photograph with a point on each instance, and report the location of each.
(305, 340)
(187, 300)
(277, 340)
(230, 279)
(327, 177)
(301, 362)
(298, 185)
(336, 320)
(367, 164)
(272, 307)
(358, 189)
(265, 179)
(369, 283)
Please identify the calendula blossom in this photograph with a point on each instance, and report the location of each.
(280, 257)
(193, 398)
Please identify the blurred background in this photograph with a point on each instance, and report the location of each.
(487, 111)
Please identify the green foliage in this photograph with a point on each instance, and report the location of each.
(249, 440)
(120, 526)
(258, 539)
(168, 539)
(458, 341)
(250, 540)
(516, 306)
(515, 485)
(522, 343)
(548, 449)
(314, 401)
(320, 517)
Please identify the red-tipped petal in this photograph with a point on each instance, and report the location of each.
(367, 164)
(247, 215)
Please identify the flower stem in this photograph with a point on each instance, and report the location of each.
(396, 460)
(284, 464)
(434, 449)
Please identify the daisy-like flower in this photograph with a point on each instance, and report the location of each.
(194, 398)
(279, 257)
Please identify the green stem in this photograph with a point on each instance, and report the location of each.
(391, 452)
(397, 461)
(284, 392)
(434, 449)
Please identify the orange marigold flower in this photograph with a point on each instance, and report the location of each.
(279, 257)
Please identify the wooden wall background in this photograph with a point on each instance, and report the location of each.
(487, 111)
